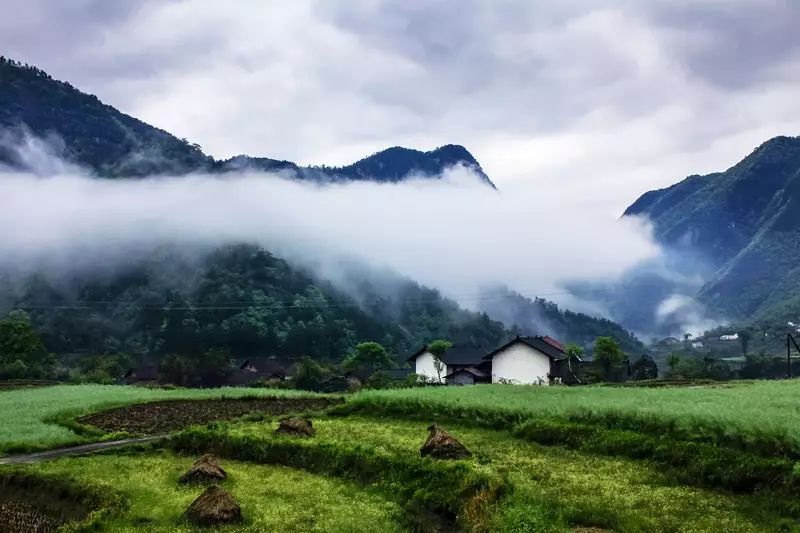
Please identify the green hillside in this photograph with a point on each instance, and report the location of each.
(744, 222)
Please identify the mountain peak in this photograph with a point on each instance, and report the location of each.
(113, 144)
(397, 163)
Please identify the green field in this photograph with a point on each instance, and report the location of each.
(273, 498)
(750, 411)
(555, 488)
(29, 420)
(627, 459)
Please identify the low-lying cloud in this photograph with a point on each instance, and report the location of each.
(453, 233)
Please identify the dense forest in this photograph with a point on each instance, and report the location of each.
(538, 316)
(242, 299)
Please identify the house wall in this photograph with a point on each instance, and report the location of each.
(462, 378)
(520, 363)
(424, 367)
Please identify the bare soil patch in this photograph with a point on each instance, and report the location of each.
(171, 415)
(13, 384)
(30, 505)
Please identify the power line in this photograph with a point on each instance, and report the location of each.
(292, 304)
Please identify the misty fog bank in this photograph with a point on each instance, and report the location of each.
(453, 233)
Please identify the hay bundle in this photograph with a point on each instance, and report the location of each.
(442, 445)
(214, 506)
(296, 427)
(205, 470)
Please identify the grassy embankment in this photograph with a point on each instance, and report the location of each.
(33, 419)
(759, 416)
(541, 488)
(627, 459)
(273, 498)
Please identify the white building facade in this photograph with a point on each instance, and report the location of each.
(424, 366)
(518, 362)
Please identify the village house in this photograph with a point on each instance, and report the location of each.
(524, 360)
(463, 364)
(261, 369)
(532, 360)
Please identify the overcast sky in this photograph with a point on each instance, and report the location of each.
(596, 100)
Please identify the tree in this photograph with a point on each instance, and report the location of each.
(644, 368)
(22, 353)
(607, 353)
(744, 339)
(573, 351)
(438, 349)
(673, 360)
(574, 355)
(318, 376)
(372, 354)
(211, 366)
(176, 369)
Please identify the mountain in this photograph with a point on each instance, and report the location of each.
(113, 144)
(239, 298)
(391, 165)
(541, 317)
(91, 133)
(745, 222)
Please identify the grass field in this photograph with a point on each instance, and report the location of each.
(751, 412)
(708, 458)
(28, 420)
(555, 489)
(273, 498)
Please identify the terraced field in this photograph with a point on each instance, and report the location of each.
(542, 460)
(40, 418)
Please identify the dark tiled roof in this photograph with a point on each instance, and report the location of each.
(459, 354)
(553, 342)
(471, 370)
(142, 373)
(416, 354)
(464, 354)
(268, 365)
(537, 343)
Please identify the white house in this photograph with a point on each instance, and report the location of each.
(463, 365)
(423, 364)
(529, 360)
(733, 337)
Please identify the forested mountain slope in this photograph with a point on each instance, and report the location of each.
(538, 316)
(242, 299)
(113, 144)
(744, 221)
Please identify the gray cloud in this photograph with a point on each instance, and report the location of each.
(593, 100)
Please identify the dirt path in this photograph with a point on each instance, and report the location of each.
(75, 450)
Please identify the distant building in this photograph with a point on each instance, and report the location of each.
(457, 358)
(733, 337)
(697, 344)
(524, 360)
(261, 369)
(531, 360)
(143, 375)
